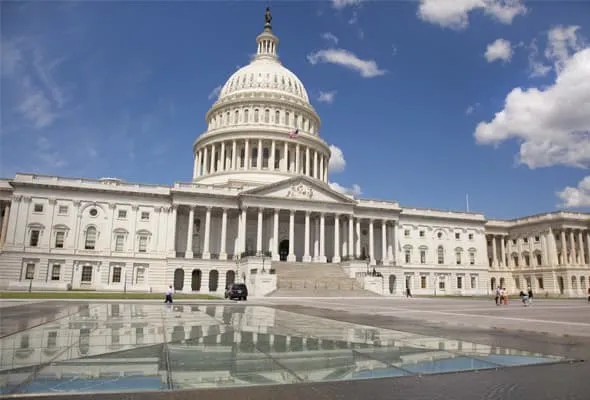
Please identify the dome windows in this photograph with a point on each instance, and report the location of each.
(256, 115)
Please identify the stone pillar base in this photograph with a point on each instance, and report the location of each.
(206, 256)
(291, 258)
(321, 259)
(188, 254)
(306, 258)
(275, 257)
(223, 256)
(336, 259)
(171, 254)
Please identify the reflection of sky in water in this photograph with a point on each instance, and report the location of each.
(132, 347)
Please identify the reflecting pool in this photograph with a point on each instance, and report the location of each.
(135, 347)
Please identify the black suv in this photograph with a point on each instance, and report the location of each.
(237, 291)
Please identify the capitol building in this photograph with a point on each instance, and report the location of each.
(259, 210)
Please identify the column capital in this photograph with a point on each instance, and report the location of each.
(112, 205)
(17, 197)
(52, 200)
(292, 212)
(208, 208)
(134, 207)
(261, 209)
(307, 213)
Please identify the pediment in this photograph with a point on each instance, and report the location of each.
(300, 188)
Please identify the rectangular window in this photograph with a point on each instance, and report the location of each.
(459, 282)
(513, 241)
(59, 240)
(473, 282)
(539, 259)
(517, 283)
(407, 233)
(38, 208)
(86, 274)
(471, 258)
(441, 284)
(62, 210)
(408, 256)
(458, 256)
(457, 235)
(119, 242)
(423, 282)
(525, 240)
(55, 270)
(139, 335)
(422, 256)
(30, 271)
(140, 275)
(34, 241)
(142, 244)
(122, 214)
(537, 239)
(52, 340)
(540, 283)
(527, 260)
(421, 233)
(145, 216)
(470, 236)
(116, 275)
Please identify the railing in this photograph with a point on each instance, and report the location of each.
(318, 285)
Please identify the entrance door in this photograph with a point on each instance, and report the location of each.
(283, 250)
(178, 279)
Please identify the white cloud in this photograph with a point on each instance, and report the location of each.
(344, 58)
(330, 37)
(454, 14)
(49, 157)
(327, 97)
(537, 68)
(215, 92)
(340, 4)
(576, 197)
(552, 123)
(470, 109)
(562, 41)
(337, 162)
(500, 49)
(354, 190)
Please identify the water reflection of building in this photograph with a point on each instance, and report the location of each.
(134, 347)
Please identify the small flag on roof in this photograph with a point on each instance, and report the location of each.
(294, 134)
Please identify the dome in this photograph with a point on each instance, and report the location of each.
(264, 74)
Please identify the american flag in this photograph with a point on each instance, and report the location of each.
(294, 134)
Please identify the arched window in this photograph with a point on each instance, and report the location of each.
(458, 256)
(265, 155)
(213, 280)
(254, 160)
(277, 117)
(287, 118)
(256, 115)
(266, 116)
(246, 119)
(440, 254)
(236, 116)
(90, 242)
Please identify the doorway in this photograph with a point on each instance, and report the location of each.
(283, 250)
(196, 280)
(178, 279)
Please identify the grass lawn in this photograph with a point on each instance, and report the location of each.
(103, 296)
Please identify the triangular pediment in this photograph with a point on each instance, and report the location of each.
(300, 188)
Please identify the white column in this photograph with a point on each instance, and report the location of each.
(246, 157)
(326, 171)
(5, 224)
(172, 214)
(581, 249)
(384, 242)
(350, 236)
(316, 239)
(307, 162)
(502, 251)
(275, 235)
(563, 249)
(297, 160)
(544, 255)
(196, 165)
(205, 166)
(321, 173)
(259, 232)
(222, 251)
(315, 164)
(322, 238)
(336, 239)
(285, 161)
(588, 249)
(234, 155)
(259, 155)
(391, 244)
(358, 238)
(243, 230)
(572, 248)
(212, 160)
(291, 256)
(189, 235)
(494, 252)
(371, 242)
(222, 166)
(206, 250)
(271, 163)
(306, 256)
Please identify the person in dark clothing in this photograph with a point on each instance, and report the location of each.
(530, 293)
(169, 292)
(408, 292)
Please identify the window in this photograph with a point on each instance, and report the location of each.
(540, 283)
(525, 240)
(236, 117)
(423, 282)
(527, 260)
(439, 235)
(119, 242)
(277, 117)
(34, 240)
(246, 117)
(90, 242)
(145, 216)
(440, 255)
(122, 214)
(539, 259)
(38, 208)
(537, 239)
(59, 239)
(287, 119)
(473, 282)
(422, 256)
(441, 283)
(254, 160)
(471, 258)
(62, 210)
(93, 212)
(457, 235)
(408, 254)
(265, 155)
(459, 282)
(142, 244)
(30, 271)
(52, 339)
(458, 257)
(421, 234)
(267, 116)
(470, 236)
(513, 241)
(55, 269)
(277, 158)
(256, 115)
(516, 261)
(407, 233)
(116, 275)
(517, 283)
(86, 274)
(140, 276)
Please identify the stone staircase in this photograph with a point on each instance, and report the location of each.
(300, 279)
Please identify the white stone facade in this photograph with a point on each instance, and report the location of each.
(260, 194)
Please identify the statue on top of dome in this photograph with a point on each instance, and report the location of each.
(267, 17)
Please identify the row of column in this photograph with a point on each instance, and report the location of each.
(5, 211)
(351, 245)
(249, 154)
(570, 252)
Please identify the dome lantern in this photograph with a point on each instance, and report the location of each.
(267, 42)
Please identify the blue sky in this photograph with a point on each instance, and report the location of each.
(408, 91)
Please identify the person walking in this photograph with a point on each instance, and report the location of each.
(169, 293)
(498, 294)
(530, 292)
